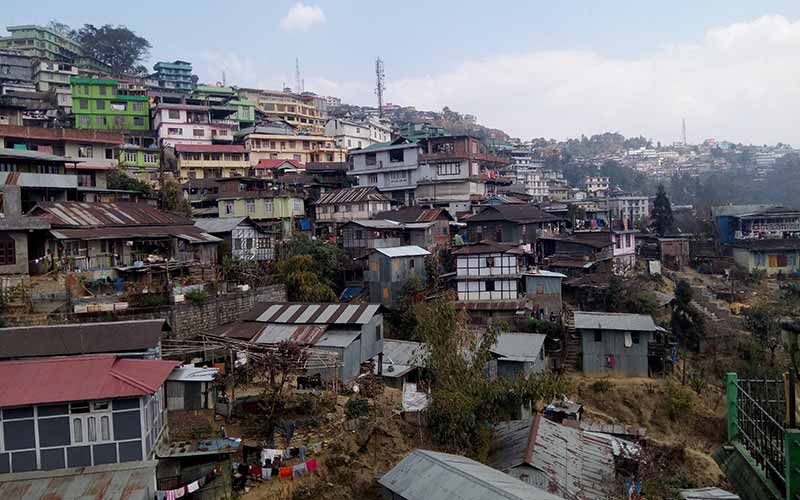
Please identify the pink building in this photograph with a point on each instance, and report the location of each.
(194, 124)
(624, 249)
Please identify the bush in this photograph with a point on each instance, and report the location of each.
(356, 407)
(544, 327)
(678, 400)
(601, 386)
(196, 297)
(153, 300)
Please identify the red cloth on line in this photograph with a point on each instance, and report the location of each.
(311, 465)
(285, 472)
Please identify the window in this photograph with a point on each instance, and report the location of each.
(448, 169)
(174, 131)
(130, 156)
(8, 254)
(398, 177)
(198, 132)
(396, 155)
(84, 121)
(386, 293)
(474, 148)
(100, 104)
(228, 207)
(138, 121)
(77, 430)
(490, 286)
(83, 104)
(268, 206)
(635, 337)
(627, 240)
(297, 157)
(101, 121)
(378, 332)
(251, 206)
(372, 159)
(109, 154)
(298, 206)
(174, 114)
(372, 179)
(102, 89)
(598, 336)
(489, 261)
(119, 121)
(411, 264)
(138, 106)
(85, 151)
(149, 158)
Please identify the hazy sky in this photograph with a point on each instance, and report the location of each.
(532, 68)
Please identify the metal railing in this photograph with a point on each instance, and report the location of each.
(761, 423)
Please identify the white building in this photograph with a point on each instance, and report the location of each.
(48, 75)
(634, 208)
(596, 184)
(193, 124)
(351, 134)
(392, 168)
(535, 182)
(488, 271)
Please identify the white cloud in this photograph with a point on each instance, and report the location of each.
(739, 82)
(302, 17)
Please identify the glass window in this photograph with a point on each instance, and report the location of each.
(138, 121)
(105, 428)
(91, 429)
(100, 104)
(174, 114)
(198, 132)
(102, 89)
(83, 104)
(251, 206)
(598, 336)
(77, 430)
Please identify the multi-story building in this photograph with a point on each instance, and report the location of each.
(201, 161)
(176, 76)
(279, 213)
(280, 142)
(300, 111)
(391, 269)
(535, 183)
(357, 134)
(635, 209)
(348, 204)
(44, 43)
(97, 104)
(488, 271)
(90, 147)
(450, 171)
(593, 184)
(141, 159)
(15, 68)
(49, 74)
(194, 124)
(391, 167)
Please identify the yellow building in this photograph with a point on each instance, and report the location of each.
(276, 143)
(260, 207)
(301, 111)
(202, 161)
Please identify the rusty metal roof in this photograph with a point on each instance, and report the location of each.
(81, 214)
(415, 214)
(486, 246)
(125, 481)
(352, 195)
(313, 314)
(300, 334)
(191, 234)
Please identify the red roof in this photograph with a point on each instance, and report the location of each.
(78, 378)
(269, 163)
(210, 148)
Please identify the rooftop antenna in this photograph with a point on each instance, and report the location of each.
(223, 78)
(380, 84)
(684, 131)
(298, 82)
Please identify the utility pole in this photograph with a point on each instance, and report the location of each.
(380, 84)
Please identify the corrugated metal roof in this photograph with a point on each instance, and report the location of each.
(415, 214)
(522, 214)
(125, 481)
(216, 225)
(337, 338)
(486, 246)
(509, 444)
(189, 233)
(314, 314)
(82, 214)
(737, 210)
(579, 464)
(710, 493)
(404, 352)
(83, 338)
(545, 274)
(493, 305)
(376, 224)
(429, 475)
(24, 154)
(77, 378)
(405, 251)
(301, 334)
(517, 346)
(586, 320)
(193, 374)
(352, 195)
(274, 163)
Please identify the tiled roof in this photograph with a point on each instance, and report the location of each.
(79, 378)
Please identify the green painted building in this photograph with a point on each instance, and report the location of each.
(278, 207)
(245, 112)
(44, 43)
(97, 105)
(416, 132)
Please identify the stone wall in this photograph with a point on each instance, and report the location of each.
(185, 319)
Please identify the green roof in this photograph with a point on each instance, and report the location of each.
(129, 98)
(92, 81)
(214, 90)
(242, 103)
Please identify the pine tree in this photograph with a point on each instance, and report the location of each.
(662, 212)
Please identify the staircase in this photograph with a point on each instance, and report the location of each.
(572, 345)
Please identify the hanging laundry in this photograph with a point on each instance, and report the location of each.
(180, 492)
(285, 472)
(266, 473)
(287, 454)
(311, 465)
(294, 452)
(255, 471)
(192, 487)
(299, 469)
(303, 451)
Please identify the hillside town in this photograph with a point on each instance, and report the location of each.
(210, 291)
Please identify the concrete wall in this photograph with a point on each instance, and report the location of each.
(760, 261)
(21, 250)
(628, 361)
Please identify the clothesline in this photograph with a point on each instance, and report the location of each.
(189, 488)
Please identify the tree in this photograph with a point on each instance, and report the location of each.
(303, 284)
(662, 212)
(276, 366)
(117, 46)
(117, 179)
(763, 320)
(687, 322)
(326, 257)
(172, 199)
